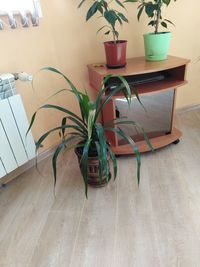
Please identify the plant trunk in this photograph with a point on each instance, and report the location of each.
(157, 21)
(114, 36)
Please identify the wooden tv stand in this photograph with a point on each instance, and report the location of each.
(173, 70)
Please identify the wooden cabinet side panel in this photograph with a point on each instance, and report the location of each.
(95, 79)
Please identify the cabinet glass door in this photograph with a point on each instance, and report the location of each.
(156, 120)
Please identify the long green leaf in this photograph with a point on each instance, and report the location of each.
(55, 156)
(103, 144)
(77, 93)
(91, 119)
(114, 161)
(120, 4)
(124, 87)
(78, 123)
(92, 10)
(31, 123)
(84, 165)
(63, 123)
(100, 157)
(81, 3)
(44, 136)
(49, 106)
(139, 127)
(107, 98)
(121, 133)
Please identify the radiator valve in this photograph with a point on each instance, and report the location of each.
(23, 76)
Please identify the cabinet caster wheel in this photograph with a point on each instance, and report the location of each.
(176, 142)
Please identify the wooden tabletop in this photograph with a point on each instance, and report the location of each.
(139, 65)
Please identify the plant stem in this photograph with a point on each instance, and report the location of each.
(114, 36)
(157, 20)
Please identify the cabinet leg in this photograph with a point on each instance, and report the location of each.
(176, 142)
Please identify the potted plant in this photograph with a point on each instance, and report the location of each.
(115, 50)
(87, 136)
(156, 44)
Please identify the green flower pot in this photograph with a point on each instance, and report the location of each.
(156, 46)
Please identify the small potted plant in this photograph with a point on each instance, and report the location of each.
(156, 44)
(115, 50)
(87, 136)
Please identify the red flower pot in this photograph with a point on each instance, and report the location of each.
(115, 54)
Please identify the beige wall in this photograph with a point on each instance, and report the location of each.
(65, 41)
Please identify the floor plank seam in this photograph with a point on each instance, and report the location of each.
(77, 233)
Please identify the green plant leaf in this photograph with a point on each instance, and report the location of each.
(131, 1)
(58, 92)
(164, 24)
(152, 23)
(77, 94)
(114, 162)
(63, 124)
(49, 106)
(100, 29)
(124, 87)
(119, 3)
(103, 144)
(85, 105)
(127, 138)
(111, 17)
(169, 21)
(149, 9)
(44, 136)
(128, 122)
(81, 3)
(55, 156)
(92, 10)
(140, 12)
(100, 157)
(103, 90)
(84, 164)
(138, 98)
(107, 99)
(122, 17)
(167, 2)
(106, 33)
(78, 123)
(31, 123)
(100, 9)
(127, 87)
(91, 119)
(116, 33)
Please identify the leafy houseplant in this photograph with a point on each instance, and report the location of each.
(157, 43)
(116, 49)
(87, 136)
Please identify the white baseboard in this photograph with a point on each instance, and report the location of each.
(187, 108)
(26, 166)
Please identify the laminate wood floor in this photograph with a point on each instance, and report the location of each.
(157, 224)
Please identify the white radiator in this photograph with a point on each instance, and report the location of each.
(15, 148)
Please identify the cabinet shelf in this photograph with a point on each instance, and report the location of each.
(154, 87)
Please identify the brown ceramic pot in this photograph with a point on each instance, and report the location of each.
(93, 170)
(115, 54)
